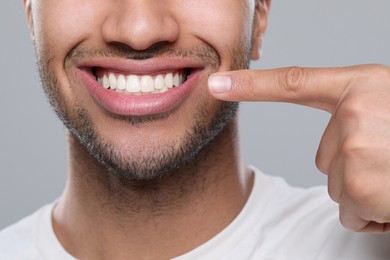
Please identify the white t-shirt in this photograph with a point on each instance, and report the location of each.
(278, 222)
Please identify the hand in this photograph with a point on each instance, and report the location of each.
(355, 149)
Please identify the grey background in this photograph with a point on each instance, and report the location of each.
(280, 139)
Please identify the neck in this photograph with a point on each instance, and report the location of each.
(100, 214)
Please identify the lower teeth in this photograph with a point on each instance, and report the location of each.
(159, 91)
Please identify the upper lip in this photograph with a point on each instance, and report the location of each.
(141, 67)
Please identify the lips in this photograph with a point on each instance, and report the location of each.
(134, 88)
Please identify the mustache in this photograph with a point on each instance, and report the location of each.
(205, 53)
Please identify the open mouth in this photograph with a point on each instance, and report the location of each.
(140, 89)
(141, 84)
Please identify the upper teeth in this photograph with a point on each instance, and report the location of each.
(141, 84)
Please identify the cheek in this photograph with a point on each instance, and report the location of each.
(226, 25)
(60, 25)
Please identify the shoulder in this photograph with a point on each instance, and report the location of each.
(283, 198)
(293, 208)
(17, 241)
(303, 223)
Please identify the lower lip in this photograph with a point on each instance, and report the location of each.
(142, 105)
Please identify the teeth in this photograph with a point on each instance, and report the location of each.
(176, 80)
(147, 84)
(112, 80)
(142, 84)
(106, 82)
(168, 80)
(133, 85)
(121, 83)
(159, 82)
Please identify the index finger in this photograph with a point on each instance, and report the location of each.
(316, 87)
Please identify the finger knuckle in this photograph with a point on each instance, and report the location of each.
(373, 73)
(350, 222)
(381, 75)
(352, 108)
(293, 80)
(352, 146)
(379, 70)
(319, 161)
(334, 193)
(344, 221)
(333, 197)
(357, 188)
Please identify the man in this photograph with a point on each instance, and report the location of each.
(154, 166)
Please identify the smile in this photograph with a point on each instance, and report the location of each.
(141, 84)
(140, 88)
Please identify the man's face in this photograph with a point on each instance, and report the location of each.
(128, 77)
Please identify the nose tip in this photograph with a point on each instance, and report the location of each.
(140, 25)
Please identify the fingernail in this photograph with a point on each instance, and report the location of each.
(220, 84)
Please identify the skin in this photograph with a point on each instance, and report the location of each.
(105, 216)
(354, 151)
(110, 209)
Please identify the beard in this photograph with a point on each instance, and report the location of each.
(155, 161)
